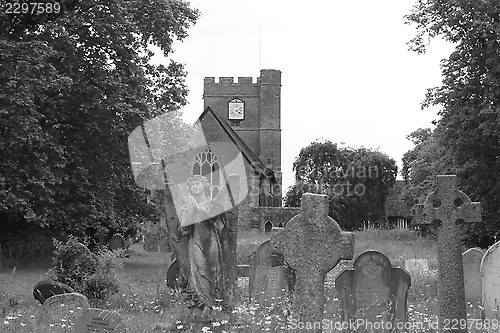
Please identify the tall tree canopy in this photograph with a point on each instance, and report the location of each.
(73, 85)
(356, 180)
(469, 97)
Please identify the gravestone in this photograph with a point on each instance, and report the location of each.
(373, 291)
(174, 278)
(490, 274)
(446, 213)
(312, 244)
(99, 321)
(47, 288)
(117, 242)
(417, 266)
(472, 275)
(151, 242)
(61, 311)
(267, 279)
(78, 252)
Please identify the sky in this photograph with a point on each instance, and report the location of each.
(347, 74)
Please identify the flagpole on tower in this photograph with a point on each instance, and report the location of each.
(260, 67)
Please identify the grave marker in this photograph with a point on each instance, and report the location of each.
(373, 291)
(79, 251)
(99, 321)
(490, 274)
(419, 266)
(472, 275)
(446, 211)
(61, 311)
(117, 242)
(312, 244)
(267, 282)
(47, 288)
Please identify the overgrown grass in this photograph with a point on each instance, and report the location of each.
(147, 305)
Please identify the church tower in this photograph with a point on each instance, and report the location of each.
(253, 110)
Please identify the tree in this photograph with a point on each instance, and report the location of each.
(356, 180)
(73, 86)
(469, 97)
(422, 163)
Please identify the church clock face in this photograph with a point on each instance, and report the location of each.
(236, 109)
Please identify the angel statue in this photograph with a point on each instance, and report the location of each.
(199, 222)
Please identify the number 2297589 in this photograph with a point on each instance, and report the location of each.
(32, 8)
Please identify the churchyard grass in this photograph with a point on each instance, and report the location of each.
(147, 305)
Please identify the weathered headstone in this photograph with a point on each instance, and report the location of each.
(174, 278)
(312, 244)
(117, 242)
(267, 282)
(61, 311)
(373, 291)
(99, 321)
(418, 266)
(472, 275)
(490, 274)
(47, 288)
(151, 242)
(78, 252)
(446, 212)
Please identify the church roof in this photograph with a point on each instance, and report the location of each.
(248, 154)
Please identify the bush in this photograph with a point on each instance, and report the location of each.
(91, 274)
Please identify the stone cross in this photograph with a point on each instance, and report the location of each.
(446, 211)
(312, 243)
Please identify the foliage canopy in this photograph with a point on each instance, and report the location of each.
(73, 86)
(356, 180)
(467, 136)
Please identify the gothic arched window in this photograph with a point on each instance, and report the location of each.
(206, 163)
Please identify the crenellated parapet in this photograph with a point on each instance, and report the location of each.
(229, 80)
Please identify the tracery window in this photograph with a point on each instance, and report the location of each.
(206, 163)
